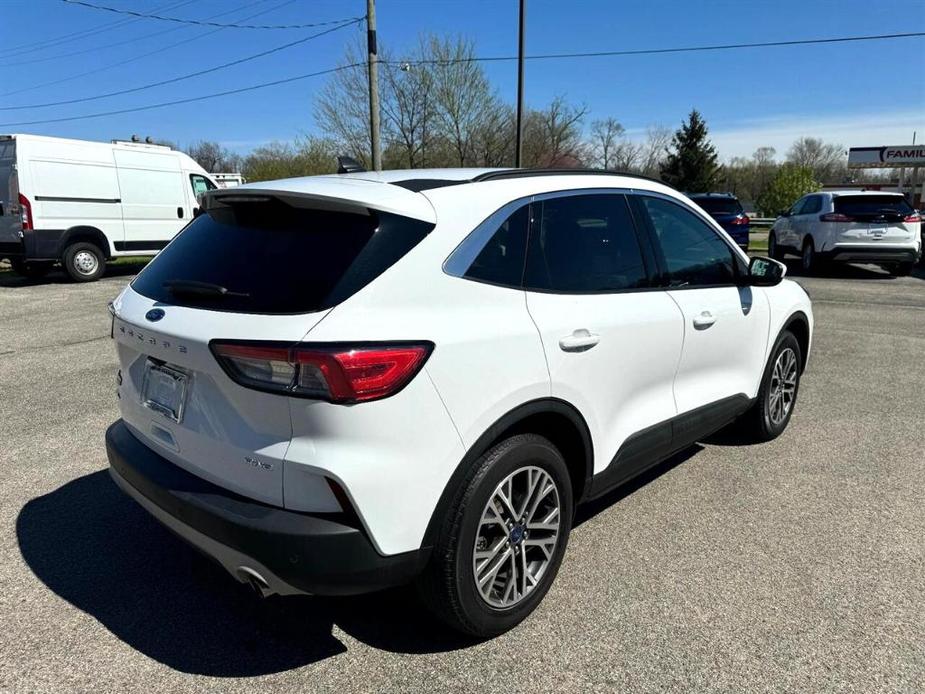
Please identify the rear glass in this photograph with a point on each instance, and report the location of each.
(719, 205)
(887, 207)
(270, 257)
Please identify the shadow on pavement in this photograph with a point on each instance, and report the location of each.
(848, 271)
(8, 278)
(100, 551)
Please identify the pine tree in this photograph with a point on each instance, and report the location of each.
(691, 165)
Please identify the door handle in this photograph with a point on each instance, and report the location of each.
(704, 320)
(580, 340)
(179, 213)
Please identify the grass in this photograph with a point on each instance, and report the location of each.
(758, 242)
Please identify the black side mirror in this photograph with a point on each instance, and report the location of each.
(765, 272)
(196, 212)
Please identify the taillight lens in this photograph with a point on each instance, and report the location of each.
(835, 217)
(741, 219)
(25, 212)
(337, 373)
(912, 218)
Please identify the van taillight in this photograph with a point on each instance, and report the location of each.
(337, 373)
(25, 212)
(835, 217)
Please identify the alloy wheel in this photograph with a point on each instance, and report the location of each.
(783, 387)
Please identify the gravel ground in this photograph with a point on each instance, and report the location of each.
(797, 565)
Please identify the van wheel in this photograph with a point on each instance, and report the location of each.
(84, 262)
(501, 544)
(31, 270)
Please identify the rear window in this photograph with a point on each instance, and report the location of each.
(887, 207)
(719, 205)
(270, 257)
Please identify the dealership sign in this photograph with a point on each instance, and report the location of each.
(886, 157)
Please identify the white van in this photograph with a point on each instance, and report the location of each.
(80, 203)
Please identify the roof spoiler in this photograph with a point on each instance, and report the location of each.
(348, 165)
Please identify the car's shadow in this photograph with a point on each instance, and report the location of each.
(56, 275)
(847, 271)
(100, 551)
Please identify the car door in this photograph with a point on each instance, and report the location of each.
(612, 339)
(806, 220)
(725, 325)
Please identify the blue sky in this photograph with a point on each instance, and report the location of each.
(855, 94)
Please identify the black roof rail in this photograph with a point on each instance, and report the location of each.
(525, 173)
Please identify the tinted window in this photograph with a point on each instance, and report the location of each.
(501, 261)
(274, 258)
(797, 206)
(693, 252)
(719, 205)
(812, 205)
(200, 184)
(584, 243)
(872, 207)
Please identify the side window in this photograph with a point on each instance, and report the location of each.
(501, 260)
(693, 252)
(798, 206)
(812, 205)
(584, 243)
(200, 184)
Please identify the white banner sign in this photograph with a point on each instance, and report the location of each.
(886, 157)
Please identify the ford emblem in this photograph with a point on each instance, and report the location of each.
(155, 314)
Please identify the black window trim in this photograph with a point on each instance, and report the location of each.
(740, 265)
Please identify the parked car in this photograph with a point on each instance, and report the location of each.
(80, 203)
(850, 226)
(340, 383)
(726, 209)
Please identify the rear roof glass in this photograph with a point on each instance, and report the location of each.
(888, 207)
(270, 257)
(718, 205)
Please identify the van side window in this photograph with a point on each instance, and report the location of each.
(200, 184)
(812, 205)
(501, 260)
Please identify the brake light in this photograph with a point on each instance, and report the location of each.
(913, 218)
(741, 219)
(835, 217)
(25, 212)
(337, 373)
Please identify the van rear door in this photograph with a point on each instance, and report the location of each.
(154, 204)
(10, 220)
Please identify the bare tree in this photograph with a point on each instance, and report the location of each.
(826, 161)
(342, 106)
(654, 150)
(552, 136)
(213, 157)
(605, 139)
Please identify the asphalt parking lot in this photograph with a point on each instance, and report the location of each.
(797, 565)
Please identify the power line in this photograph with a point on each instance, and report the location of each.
(655, 51)
(180, 78)
(162, 49)
(205, 23)
(189, 100)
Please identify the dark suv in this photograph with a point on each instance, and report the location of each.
(727, 211)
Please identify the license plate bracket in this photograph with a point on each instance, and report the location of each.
(877, 232)
(164, 390)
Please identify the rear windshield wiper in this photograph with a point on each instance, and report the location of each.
(205, 289)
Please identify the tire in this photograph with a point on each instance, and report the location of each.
(808, 260)
(84, 261)
(774, 251)
(766, 420)
(901, 269)
(449, 585)
(32, 270)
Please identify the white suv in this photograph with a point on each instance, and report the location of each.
(850, 226)
(341, 383)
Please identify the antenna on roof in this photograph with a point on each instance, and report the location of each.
(348, 165)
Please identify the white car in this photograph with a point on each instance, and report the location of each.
(850, 226)
(80, 203)
(341, 383)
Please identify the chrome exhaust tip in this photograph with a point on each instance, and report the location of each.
(247, 575)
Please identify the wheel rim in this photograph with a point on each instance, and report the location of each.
(783, 386)
(86, 262)
(807, 256)
(517, 537)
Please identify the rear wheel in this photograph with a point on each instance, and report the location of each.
(84, 261)
(773, 249)
(31, 269)
(777, 395)
(808, 260)
(901, 269)
(503, 540)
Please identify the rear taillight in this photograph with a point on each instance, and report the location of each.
(25, 212)
(740, 220)
(835, 217)
(337, 373)
(913, 218)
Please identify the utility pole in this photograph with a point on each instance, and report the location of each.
(520, 89)
(373, 85)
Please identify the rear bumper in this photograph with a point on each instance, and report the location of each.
(872, 254)
(291, 552)
(36, 244)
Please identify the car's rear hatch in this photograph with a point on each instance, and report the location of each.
(873, 218)
(256, 265)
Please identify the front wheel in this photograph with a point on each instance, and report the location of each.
(774, 251)
(503, 540)
(777, 395)
(83, 261)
